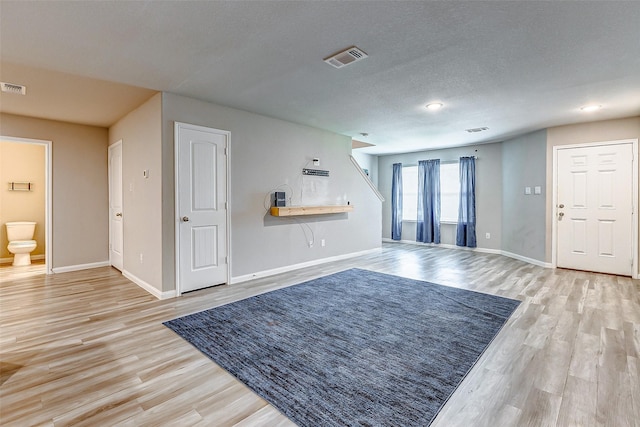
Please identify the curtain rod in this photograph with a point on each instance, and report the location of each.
(441, 161)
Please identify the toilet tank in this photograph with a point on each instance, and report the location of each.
(22, 230)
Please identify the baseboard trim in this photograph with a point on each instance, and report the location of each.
(285, 269)
(69, 268)
(147, 287)
(445, 245)
(527, 259)
(483, 250)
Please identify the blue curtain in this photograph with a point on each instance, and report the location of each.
(466, 231)
(396, 202)
(428, 226)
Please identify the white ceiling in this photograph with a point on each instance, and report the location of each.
(512, 66)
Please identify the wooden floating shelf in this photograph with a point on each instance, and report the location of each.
(310, 210)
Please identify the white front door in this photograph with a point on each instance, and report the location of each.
(201, 192)
(115, 205)
(594, 208)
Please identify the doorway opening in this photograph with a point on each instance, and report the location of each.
(21, 211)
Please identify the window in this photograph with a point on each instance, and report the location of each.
(449, 192)
(409, 193)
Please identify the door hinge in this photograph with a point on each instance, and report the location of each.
(226, 260)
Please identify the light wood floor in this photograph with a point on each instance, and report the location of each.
(89, 348)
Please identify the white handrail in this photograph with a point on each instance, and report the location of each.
(366, 178)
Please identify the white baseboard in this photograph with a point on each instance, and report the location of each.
(78, 267)
(147, 287)
(483, 250)
(445, 245)
(527, 259)
(285, 269)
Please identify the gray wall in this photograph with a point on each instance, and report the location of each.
(523, 216)
(265, 153)
(368, 161)
(141, 134)
(488, 191)
(80, 199)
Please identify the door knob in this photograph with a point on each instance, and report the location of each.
(561, 214)
(185, 219)
(119, 214)
(561, 206)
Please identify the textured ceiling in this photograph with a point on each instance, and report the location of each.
(512, 66)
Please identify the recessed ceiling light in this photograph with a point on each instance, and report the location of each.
(435, 106)
(590, 108)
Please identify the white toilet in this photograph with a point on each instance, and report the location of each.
(21, 243)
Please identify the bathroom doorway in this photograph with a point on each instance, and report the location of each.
(20, 184)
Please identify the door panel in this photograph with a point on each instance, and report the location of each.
(202, 211)
(205, 248)
(116, 231)
(595, 208)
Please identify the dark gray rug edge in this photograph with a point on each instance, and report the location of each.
(473, 365)
(390, 276)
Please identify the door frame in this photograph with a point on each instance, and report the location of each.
(176, 220)
(634, 201)
(48, 184)
(119, 142)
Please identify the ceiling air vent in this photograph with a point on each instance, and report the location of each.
(346, 57)
(474, 130)
(13, 88)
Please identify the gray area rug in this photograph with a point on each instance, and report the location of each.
(356, 348)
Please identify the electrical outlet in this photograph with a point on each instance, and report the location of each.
(322, 243)
(141, 258)
(487, 236)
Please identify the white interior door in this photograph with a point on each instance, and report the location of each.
(115, 205)
(595, 208)
(201, 192)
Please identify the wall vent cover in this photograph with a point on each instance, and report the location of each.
(474, 130)
(13, 88)
(346, 57)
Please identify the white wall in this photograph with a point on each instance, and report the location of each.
(265, 153)
(488, 192)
